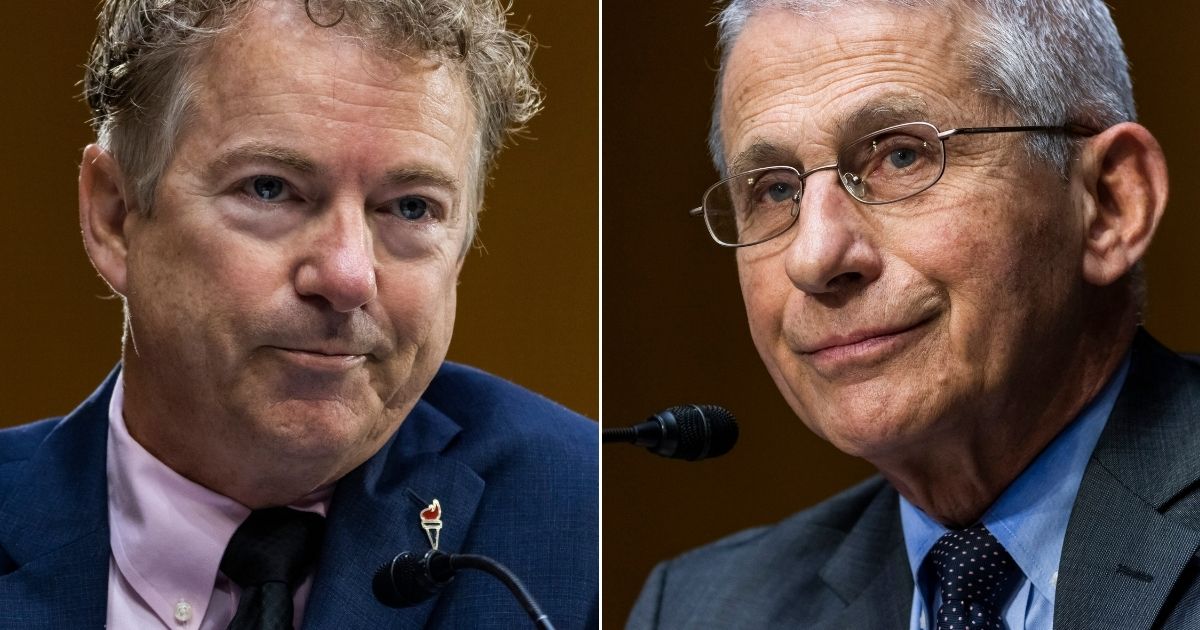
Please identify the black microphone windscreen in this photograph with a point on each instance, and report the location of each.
(704, 431)
(409, 579)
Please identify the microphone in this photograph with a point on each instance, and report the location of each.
(410, 579)
(688, 432)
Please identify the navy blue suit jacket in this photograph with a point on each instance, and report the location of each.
(516, 475)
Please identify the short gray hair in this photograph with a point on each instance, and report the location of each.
(137, 78)
(1048, 61)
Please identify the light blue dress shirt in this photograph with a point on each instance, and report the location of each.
(1029, 520)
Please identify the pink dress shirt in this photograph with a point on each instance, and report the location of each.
(168, 535)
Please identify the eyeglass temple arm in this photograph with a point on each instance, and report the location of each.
(696, 212)
(1073, 129)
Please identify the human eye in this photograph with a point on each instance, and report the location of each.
(414, 208)
(902, 157)
(779, 192)
(267, 189)
(772, 188)
(899, 151)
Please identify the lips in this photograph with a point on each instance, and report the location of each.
(835, 356)
(324, 360)
(857, 338)
(328, 352)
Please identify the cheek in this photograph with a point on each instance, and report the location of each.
(418, 303)
(419, 300)
(1006, 271)
(764, 291)
(185, 273)
(971, 251)
(239, 280)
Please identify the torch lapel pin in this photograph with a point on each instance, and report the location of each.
(431, 522)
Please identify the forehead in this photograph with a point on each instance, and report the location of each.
(279, 77)
(831, 78)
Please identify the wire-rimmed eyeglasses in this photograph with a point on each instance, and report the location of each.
(886, 166)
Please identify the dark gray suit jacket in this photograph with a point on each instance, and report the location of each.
(1129, 558)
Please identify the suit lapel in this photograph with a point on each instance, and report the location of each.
(1122, 555)
(869, 571)
(375, 515)
(55, 525)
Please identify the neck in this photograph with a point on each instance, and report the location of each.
(984, 453)
(245, 478)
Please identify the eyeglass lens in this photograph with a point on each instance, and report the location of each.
(886, 166)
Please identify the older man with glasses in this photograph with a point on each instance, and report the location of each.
(938, 210)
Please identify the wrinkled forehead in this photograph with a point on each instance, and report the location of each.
(794, 81)
(276, 41)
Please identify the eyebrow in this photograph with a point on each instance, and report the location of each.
(875, 115)
(761, 153)
(423, 175)
(261, 152)
(868, 117)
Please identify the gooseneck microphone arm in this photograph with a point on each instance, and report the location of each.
(514, 584)
(625, 435)
(410, 579)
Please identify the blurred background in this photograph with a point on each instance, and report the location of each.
(674, 326)
(528, 304)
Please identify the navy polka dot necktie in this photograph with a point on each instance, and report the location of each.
(268, 557)
(975, 574)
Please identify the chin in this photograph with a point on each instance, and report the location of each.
(870, 442)
(867, 419)
(319, 429)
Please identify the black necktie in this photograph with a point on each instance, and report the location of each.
(975, 573)
(268, 557)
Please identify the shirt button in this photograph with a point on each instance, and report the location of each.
(183, 612)
(1054, 579)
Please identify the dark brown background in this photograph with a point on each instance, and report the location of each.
(674, 326)
(528, 308)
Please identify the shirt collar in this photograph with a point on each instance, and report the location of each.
(1030, 517)
(168, 533)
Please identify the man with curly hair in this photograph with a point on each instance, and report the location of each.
(282, 193)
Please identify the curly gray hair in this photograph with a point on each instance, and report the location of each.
(137, 79)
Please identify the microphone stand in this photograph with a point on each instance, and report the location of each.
(514, 584)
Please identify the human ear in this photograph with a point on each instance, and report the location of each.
(103, 210)
(1125, 176)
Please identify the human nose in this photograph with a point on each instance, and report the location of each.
(340, 266)
(830, 249)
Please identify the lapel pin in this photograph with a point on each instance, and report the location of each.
(431, 522)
